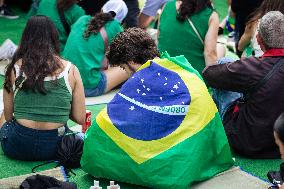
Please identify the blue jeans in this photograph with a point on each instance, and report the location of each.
(23, 143)
(99, 89)
(224, 99)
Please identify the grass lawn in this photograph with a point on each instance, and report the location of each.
(12, 29)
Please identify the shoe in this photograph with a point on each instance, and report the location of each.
(7, 13)
(7, 50)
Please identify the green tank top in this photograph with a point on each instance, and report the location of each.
(178, 38)
(54, 106)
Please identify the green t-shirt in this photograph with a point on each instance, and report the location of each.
(87, 54)
(48, 8)
(178, 38)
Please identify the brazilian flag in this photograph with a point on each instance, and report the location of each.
(162, 130)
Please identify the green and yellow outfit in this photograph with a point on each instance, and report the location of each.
(178, 38)
(49, 8)
(87, 54)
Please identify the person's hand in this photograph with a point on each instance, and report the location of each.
(282, 186)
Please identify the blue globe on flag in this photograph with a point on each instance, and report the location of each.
(145, 115)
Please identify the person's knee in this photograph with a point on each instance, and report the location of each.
(225, 60)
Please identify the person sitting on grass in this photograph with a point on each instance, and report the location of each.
(41, 93)
(63, 14)
(249, 121)
(87, 44)
(279, 136)
(161, 116)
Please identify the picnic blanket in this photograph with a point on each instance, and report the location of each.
(161, 130)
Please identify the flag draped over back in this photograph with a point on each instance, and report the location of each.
(162, 130)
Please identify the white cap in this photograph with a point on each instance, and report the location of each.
(117, 6)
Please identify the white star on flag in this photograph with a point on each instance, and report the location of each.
(138, 90)
(161, 98)
(166, 78)
(148, 89)
(176, 86)
(142, 80)
(143, 94)
(159, 74)
(132, 108)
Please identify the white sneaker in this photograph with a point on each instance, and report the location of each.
(7, 49)
(7, 13)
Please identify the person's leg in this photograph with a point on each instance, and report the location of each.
(222, 98)
(115, 76)
(221, 50)
(110, 79)
(131, 19)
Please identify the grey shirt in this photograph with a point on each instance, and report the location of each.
(152, 6)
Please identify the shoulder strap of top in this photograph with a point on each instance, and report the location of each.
(65, 74)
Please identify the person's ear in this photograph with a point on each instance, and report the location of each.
(260, 42)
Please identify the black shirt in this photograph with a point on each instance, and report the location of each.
(250, 131)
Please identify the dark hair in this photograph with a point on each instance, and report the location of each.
(190, 7)
(279, 127)
(265, 7)
(97, 22)
(38, 51)
(134, 44)
(63, 5)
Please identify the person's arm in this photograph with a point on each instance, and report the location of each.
(246, 37)
(235, 76)
(144, 20)
(78, 110)
(149, 12)
(210, 42)
(8, 99)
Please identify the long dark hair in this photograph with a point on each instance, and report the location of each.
(63, 5)
(190, 7)
(97, 22)
(38, 51)
(265, 7)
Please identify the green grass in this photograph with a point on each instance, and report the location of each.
(9, 167)
(221, 7)
(12, 29)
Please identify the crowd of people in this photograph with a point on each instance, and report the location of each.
(63, 42)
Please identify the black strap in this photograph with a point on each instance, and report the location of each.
(263, 80)
(64, 21)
